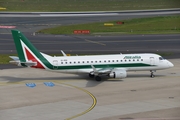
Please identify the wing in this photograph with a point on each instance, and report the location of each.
(101, 71)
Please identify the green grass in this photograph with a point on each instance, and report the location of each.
(4, 58)
(154, 25)
(86, 5)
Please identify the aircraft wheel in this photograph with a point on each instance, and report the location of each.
(97, 78)
(152, 75)
(91, 76)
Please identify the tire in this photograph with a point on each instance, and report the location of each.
(97, 78)
(91, 76)
(152, 76)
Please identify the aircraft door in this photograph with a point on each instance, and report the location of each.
(152, 61)
(55, 64)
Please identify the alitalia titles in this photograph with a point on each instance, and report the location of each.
(132, 57)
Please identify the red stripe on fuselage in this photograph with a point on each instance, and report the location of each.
(30, 57)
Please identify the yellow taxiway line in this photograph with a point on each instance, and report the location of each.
(90, 41)
(65, 84)
(90, 94)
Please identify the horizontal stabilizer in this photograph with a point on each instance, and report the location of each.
(19, 63)
(15, 58)
(29, 63)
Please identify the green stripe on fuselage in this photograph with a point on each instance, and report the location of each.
(102, 66)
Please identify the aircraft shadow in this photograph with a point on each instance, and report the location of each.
(91, 82)
(142, 75)
(11, 79)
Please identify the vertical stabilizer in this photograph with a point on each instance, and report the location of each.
(26, 51)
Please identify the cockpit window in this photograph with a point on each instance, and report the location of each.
(161, 58)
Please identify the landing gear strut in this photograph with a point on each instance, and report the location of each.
(152, 74)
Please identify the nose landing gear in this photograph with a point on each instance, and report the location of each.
(152, 74)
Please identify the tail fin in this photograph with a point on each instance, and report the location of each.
(26, 51)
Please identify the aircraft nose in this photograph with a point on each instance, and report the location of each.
(170, 64)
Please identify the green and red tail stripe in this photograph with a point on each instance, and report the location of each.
(27, 52)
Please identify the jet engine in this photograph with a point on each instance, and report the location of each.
(118, 73)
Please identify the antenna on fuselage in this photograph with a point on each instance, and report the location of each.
(63, 53)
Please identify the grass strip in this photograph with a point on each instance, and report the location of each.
(86, 5)
(4, 58)
(153, 25)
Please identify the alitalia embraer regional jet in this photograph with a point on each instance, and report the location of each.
(114, 65)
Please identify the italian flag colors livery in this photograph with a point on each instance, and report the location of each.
(27, 53)
(113, 65)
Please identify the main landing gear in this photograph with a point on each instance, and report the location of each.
(91, 75)
(97, 78)
(152, 73)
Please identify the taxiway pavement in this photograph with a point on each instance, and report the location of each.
(136, 97)
(87, 44)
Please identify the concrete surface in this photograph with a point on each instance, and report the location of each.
(136, 97)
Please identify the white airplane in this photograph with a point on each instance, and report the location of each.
(114, 65)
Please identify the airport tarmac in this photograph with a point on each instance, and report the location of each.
(80, 98)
